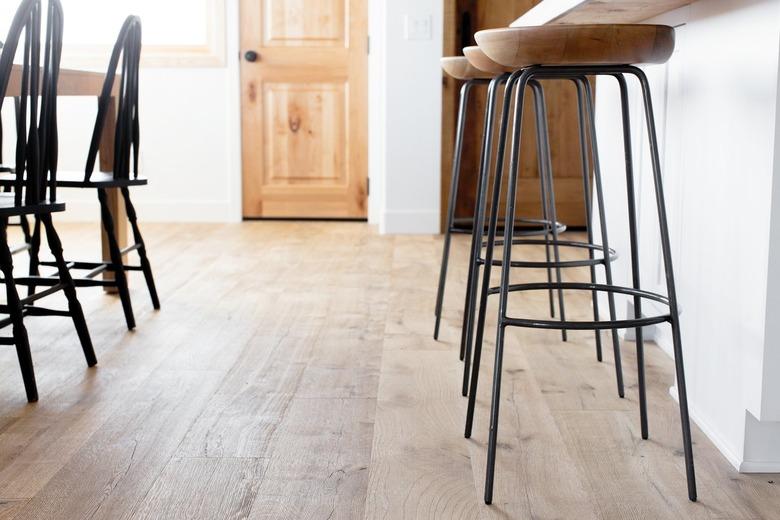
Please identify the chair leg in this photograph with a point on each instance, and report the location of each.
(670, 285)
(479, 224)
(506, 269)
(35, 249)
(15, 310)
(545, 162)
(25, 225)
(591, 119)
(634, 238)
(489, 252)
(120, 277)
(74, 306)
(587, 194)
(452, 201)
(146, 266)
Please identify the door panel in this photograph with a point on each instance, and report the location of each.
(304, 108)
(305, 23)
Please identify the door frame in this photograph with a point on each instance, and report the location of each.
(234, 64)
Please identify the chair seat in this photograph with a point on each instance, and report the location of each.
(596, 44)
(7, 208)
(73, 179)
(459, 68)
(479, 60)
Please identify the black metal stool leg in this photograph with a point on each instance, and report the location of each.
(120, 277)
(479, 224)
(547, 177)
(506, 270)
(146, 266)
(634, 238)
(670, 285)
(21, 340)
(545, 200)
(489, 250)
(474, 254)
(604, 237)
(456, 160)
(588, 207)
(74, 306)
(547, 243)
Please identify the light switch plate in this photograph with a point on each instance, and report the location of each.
(418, 27)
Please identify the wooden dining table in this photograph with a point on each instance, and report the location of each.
(82, 83)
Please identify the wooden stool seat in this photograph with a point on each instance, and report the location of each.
(597, 44)
(478, 59)
(459, 68)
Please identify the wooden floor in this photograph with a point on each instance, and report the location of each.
(292, 374)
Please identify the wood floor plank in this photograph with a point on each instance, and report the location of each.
(221, 488)
(120, 462)
(418, 468)
(318, 460)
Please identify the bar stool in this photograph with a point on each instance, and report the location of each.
(460, 68)
(574, 52)
(597, 254)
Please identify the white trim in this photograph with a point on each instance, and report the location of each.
(725, 450)
(421, 222)
(759, 467)
(233, 102)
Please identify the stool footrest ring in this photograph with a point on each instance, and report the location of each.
(585, 325)
(583, 262)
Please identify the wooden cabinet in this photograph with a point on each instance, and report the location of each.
(462, 19)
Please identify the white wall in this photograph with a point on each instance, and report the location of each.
(405, 116)
(716, 109)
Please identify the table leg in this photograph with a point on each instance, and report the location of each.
(115, 201)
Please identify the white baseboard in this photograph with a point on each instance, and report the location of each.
(759, 467)
(181, 211)
(421, 222)
(725, 450)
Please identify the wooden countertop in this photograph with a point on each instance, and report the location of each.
(596, 11)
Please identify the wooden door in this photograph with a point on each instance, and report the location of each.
(474, 15)
(304, 114)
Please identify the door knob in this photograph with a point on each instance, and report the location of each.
(251, 56)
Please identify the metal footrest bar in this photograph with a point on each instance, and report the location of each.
(538, 227)
(527, 227)
(585, 325)
(583, 262)
(7, 341)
